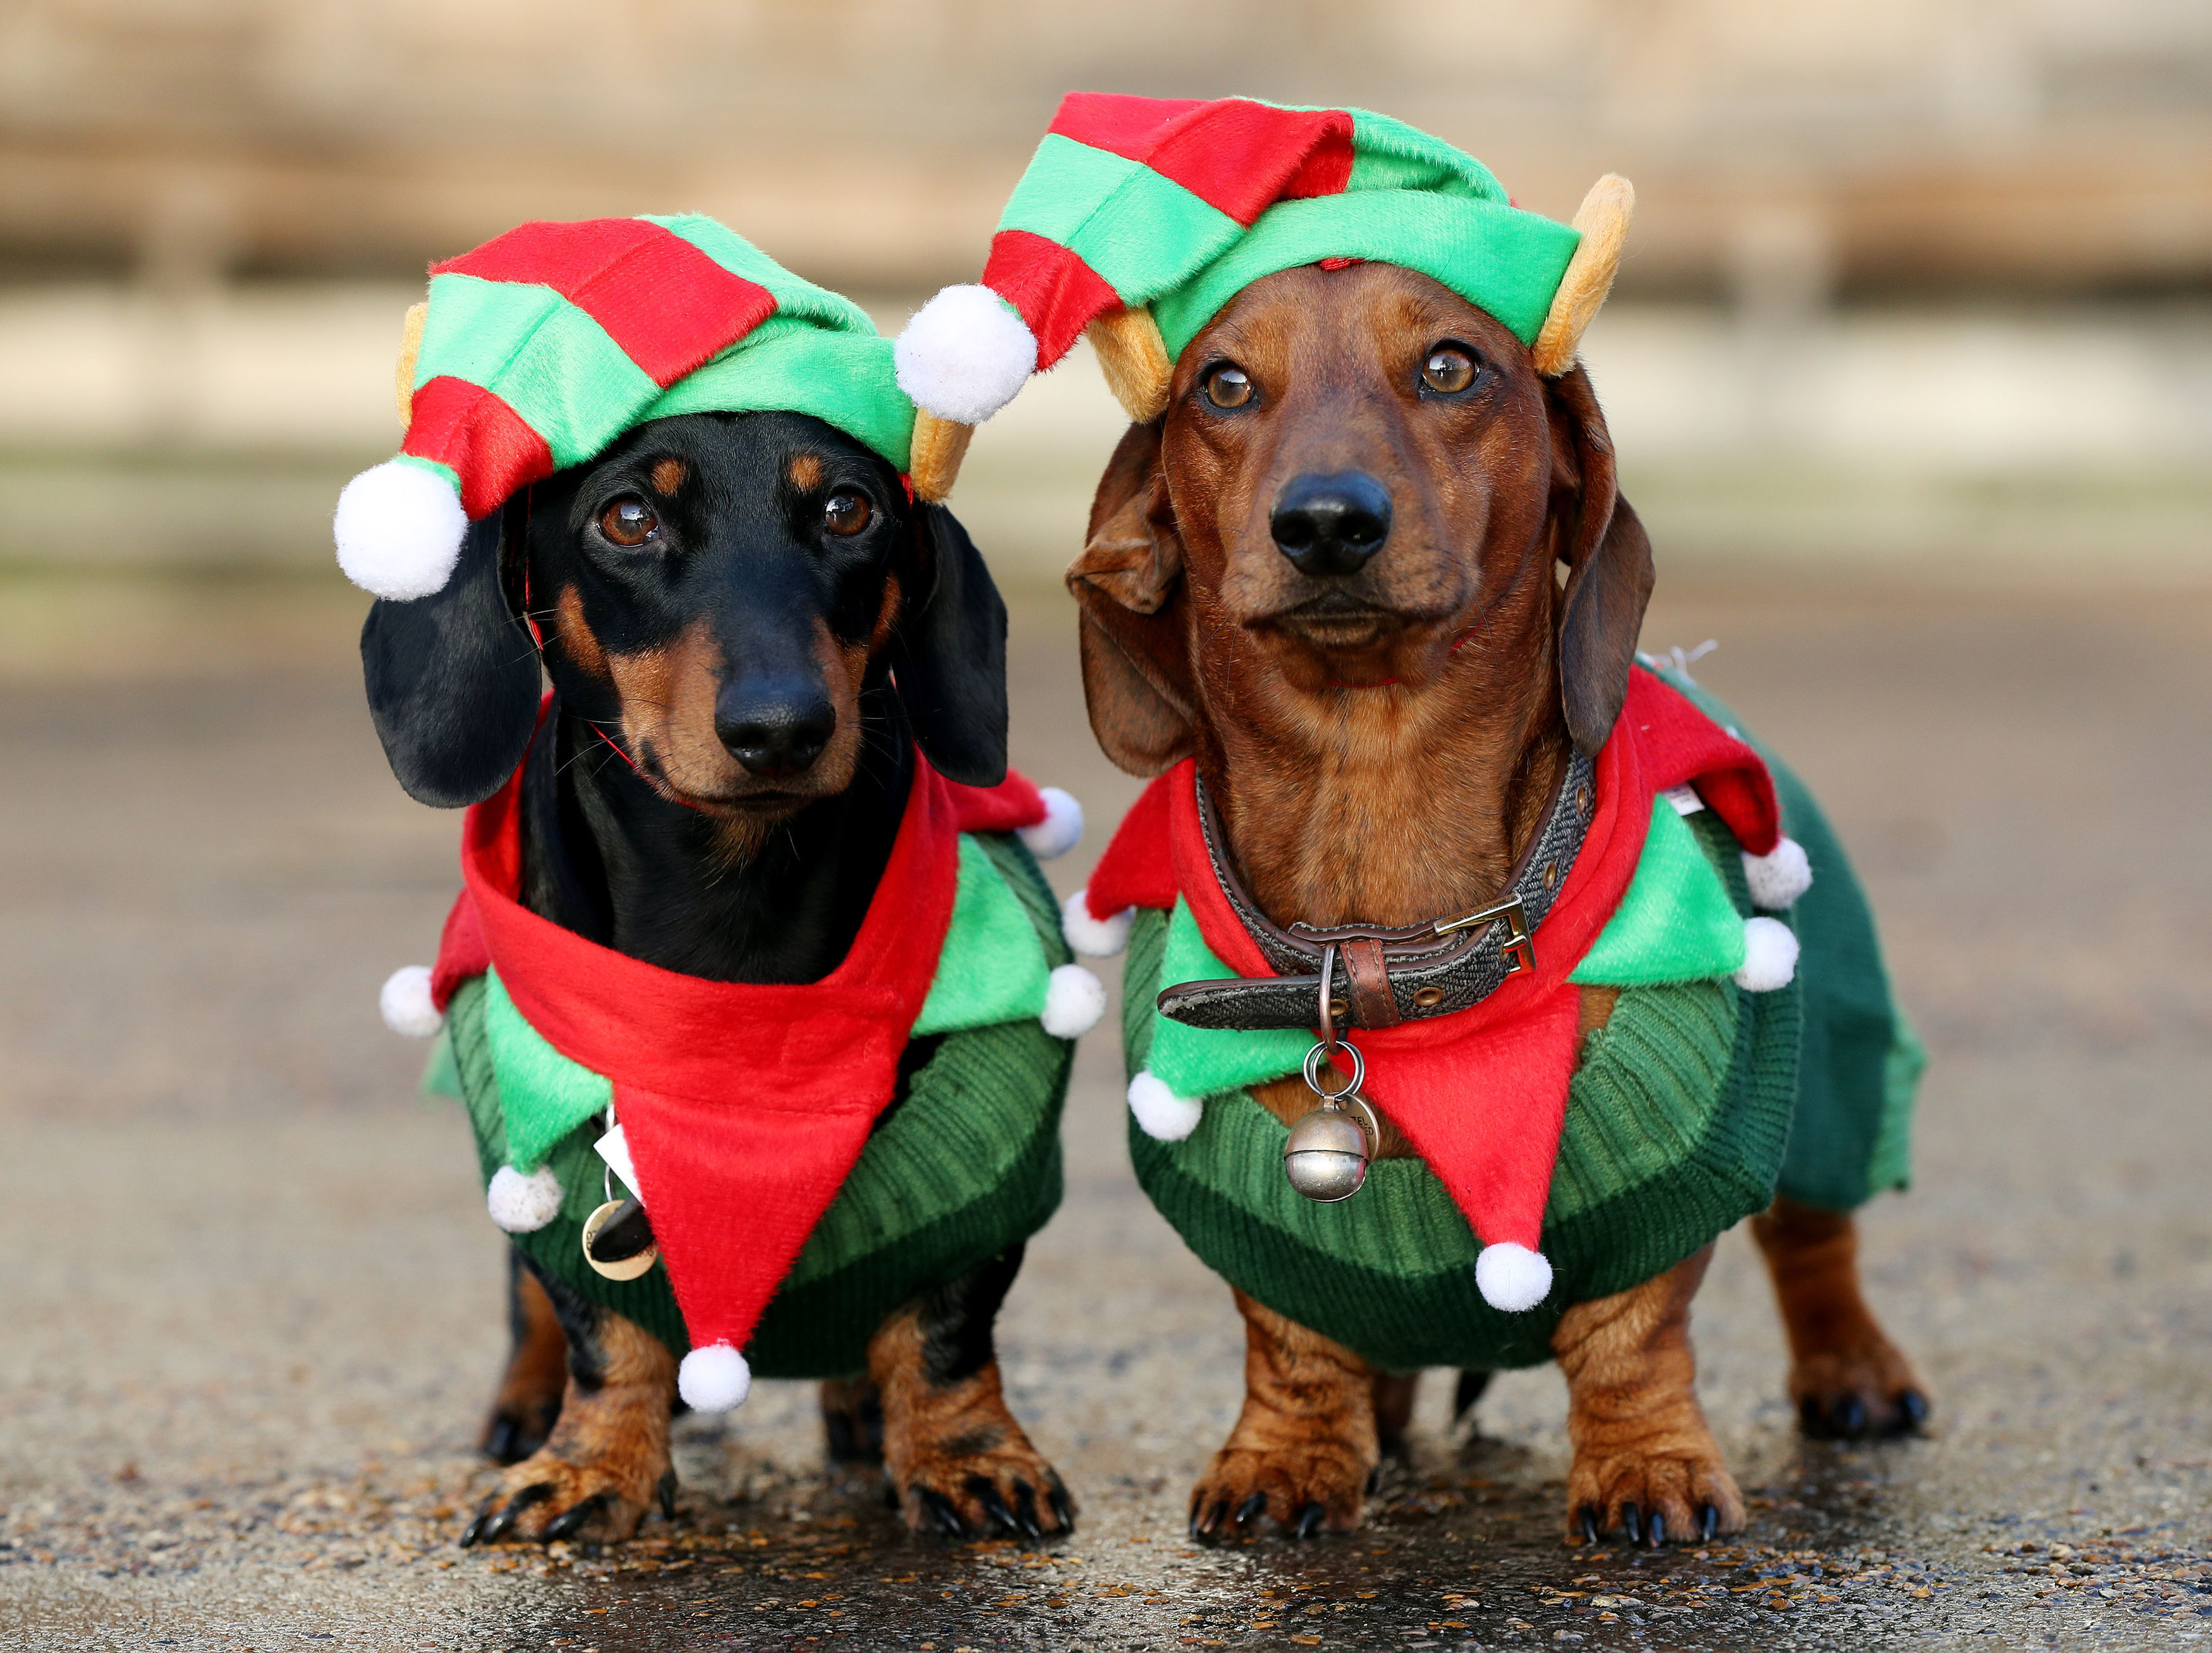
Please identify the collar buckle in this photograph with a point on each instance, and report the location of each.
(1517, 948)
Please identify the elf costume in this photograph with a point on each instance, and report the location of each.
(810, 1157)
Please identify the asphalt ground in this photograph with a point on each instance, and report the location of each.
(252, 1311)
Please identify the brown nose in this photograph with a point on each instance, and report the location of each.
(1332, 524)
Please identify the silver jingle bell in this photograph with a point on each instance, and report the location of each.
(1326, 1156)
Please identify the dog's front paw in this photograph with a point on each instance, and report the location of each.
(988, 1482)
(1303, 1487)
(1864, 1389)
(546, 1498)
(1674, 1490)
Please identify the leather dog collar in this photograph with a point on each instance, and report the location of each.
(1389, 975)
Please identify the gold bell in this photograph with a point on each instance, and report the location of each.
(1326, 1157)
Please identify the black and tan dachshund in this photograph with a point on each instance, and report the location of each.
(748, 629)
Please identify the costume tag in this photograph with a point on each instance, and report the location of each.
(1683, 799)
(615, 1150)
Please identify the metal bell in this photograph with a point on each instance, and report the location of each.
(1326, 1157)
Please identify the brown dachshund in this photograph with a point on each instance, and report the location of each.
(1375, 573)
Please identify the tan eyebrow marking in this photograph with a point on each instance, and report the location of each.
(668, 475)
(806, 473)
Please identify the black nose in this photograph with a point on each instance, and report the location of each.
(1331, 525)
(775, 731)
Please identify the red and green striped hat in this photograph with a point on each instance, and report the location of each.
(1175, 205)
(541, 347)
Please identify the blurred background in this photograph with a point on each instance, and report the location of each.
(1909, 367)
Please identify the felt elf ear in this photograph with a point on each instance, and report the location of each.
(1134, 359)
(1603, 221)
(411, 351)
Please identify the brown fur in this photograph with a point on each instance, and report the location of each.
(573, 634)
(954, 1446)
(610, 1444)
(1839, 1357)
(670, 474)
(1380, 744)
(805, 473)
(528, 1399)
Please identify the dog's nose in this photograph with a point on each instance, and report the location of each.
(774, 733)
(1331, 525)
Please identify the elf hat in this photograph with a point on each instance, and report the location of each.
(1140, 218)
(538, 349)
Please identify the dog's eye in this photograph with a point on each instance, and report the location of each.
(846, 513)
(1228, 386)
(628, 522)
(1449, 370)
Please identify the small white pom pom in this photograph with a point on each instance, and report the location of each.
(715, 1379)
(1094, 938)
(966, 355)
(407, 1004)
(1162, 1114)
(523, 1204)
(1073, 1002)
(1780, 877)
(1512, 1278)
(400, 529)
(1059, 831)
(1769, 955)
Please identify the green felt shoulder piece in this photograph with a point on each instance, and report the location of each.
(992, 969)
(1199, 1061)
(1676, 923)
(543, 1095)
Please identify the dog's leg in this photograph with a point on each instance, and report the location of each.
(1645, 1463)
(1306, 1443)
(607, 1458)
(1848, 1379)
(1394, 1394)
(853, 1419)
(957, 1460)
(529, 1397)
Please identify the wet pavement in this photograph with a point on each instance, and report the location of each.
(252, 1311)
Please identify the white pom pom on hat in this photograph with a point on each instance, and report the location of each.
(1511, 1277)
(400, 527)
(714, 1378)
(523, 1204)
(1094, 938)
(1059, 831)
(1073, 1002)
(966, 355)
(1162, 1114)
(406, 1004)
(1770, 956)
(1780, 877)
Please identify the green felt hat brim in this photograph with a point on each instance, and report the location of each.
(1498, 257)
(785, 365)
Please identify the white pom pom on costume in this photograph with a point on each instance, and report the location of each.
(1162, 1114)
(405, 1000)
(1059, 831)
(1512, 1278)
(1094, 938)
(1769, 955)
(966, 355)
(1780, 877)
(1073, 1002)
(715, 1379)
(399, 528)
(523, 1204)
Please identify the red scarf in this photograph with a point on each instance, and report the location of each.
(744, 1107)
(1480, 1094)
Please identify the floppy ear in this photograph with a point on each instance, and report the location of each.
(949, 656)
(453, 679)
(1609, 559)
(1128, 584)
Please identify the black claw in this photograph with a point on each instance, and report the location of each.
(1196, 1505)
(940, 1510)
(1251, 1507)
(1709, 1523)
(1849, 1416)
(1656, 1534)
(666, 1491)
(980, 1488)
(1310, 1519)
(1063, 1508)
(1025, 1509)
(1912, 1412)
(496, 1528)
(570, 1522)
(1588, 1517)
(1631, 1523)
(473, 1533)
(1373, 1479)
